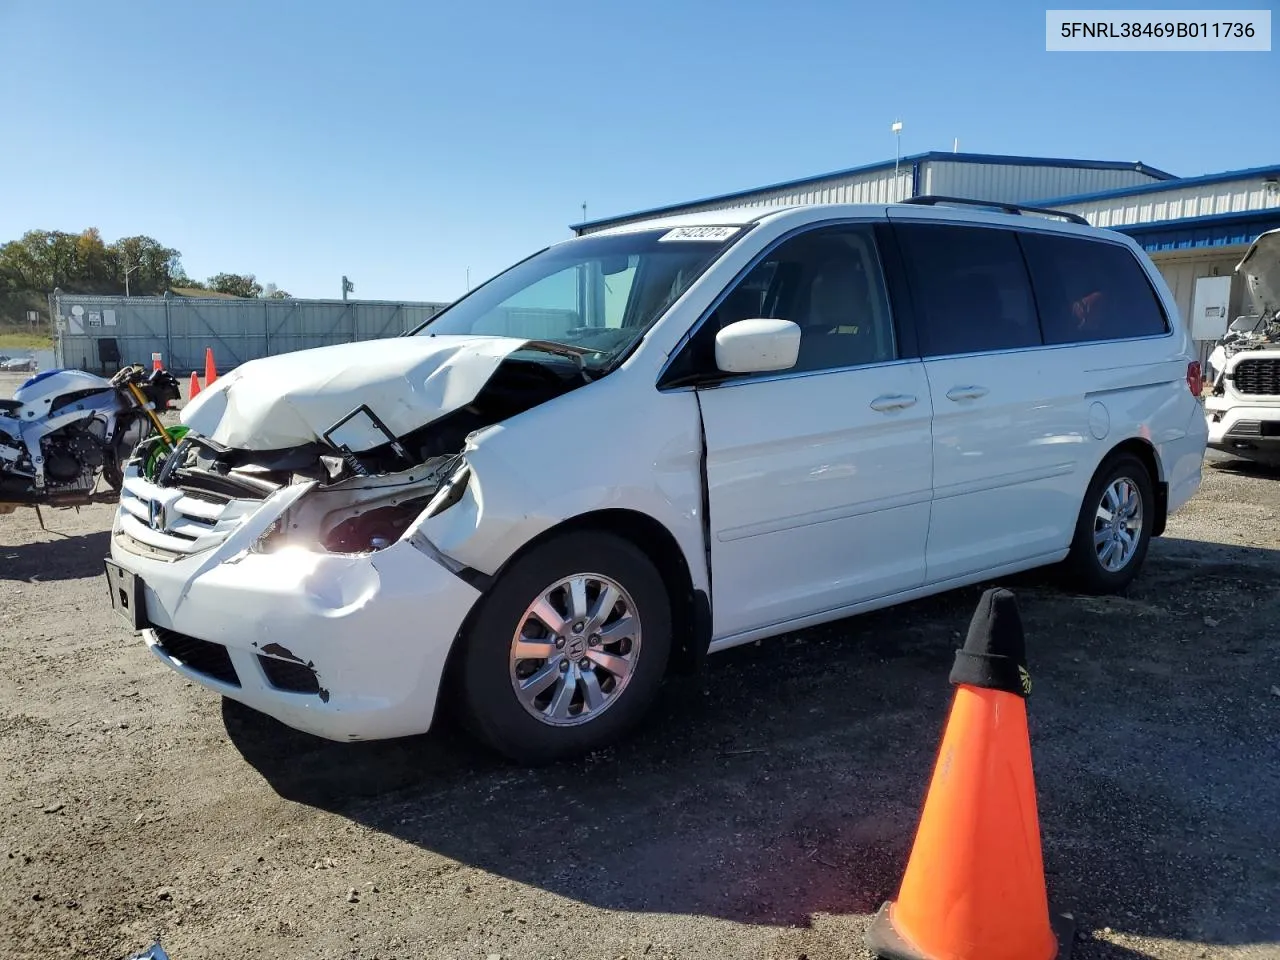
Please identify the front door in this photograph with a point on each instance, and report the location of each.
(819, 478)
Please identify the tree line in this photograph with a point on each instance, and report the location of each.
(43, 260)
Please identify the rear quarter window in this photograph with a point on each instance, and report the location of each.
(1088, 290)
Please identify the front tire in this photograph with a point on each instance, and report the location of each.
(566, 653)
(1113, 530)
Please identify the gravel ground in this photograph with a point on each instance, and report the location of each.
(765, 811)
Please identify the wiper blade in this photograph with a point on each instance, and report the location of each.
(563, 349)
(577, 354)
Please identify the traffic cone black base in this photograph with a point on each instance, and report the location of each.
(884, 941)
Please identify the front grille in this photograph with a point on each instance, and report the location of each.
(177, 521)
(1260, 377)
(210, 659)
(289, 675)
(207, 496)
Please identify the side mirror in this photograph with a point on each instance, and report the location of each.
(758, 346)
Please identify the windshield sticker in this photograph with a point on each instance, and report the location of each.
(716, 234)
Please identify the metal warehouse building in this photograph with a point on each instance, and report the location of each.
(1195, 229)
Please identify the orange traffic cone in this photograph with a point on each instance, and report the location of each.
(195, 386)
(210, 371)
(974, 885)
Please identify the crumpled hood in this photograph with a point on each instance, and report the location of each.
(294, 398)
(1260, 267)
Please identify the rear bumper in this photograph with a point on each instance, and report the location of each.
(346, 647)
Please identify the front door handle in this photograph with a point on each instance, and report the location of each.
(966, 393)
(892, 401)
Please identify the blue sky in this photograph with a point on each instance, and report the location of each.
(402, 143)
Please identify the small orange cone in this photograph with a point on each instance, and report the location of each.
(210, 371)
(974, 886)
(195, 386)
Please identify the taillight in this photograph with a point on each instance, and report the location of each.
(1195, 380)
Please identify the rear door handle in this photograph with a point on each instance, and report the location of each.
(966, 393)
(892, 401)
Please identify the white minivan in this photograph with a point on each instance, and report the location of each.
(653, 442)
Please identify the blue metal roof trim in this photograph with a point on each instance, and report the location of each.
(915, 159)
(1175, 184)
(1189, 233)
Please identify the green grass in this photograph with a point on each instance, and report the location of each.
(25, 341)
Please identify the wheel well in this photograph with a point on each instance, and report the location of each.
(691, 609)
(1144, 451)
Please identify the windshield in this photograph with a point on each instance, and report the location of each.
(596, 294)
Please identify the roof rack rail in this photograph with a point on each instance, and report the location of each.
(1018, 208)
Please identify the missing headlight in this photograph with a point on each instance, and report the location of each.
(375, 529)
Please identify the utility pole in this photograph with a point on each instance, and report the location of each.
(897, 157)
(347, 287)
(124, 260)
(584, 211)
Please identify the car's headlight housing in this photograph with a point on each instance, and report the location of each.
(271, 539)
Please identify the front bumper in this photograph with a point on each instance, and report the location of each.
(1242, 427)
(346, 647)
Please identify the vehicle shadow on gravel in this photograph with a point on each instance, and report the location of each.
(786, 781)
(1250, 468)
(66, 558)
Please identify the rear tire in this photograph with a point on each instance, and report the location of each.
(539, 692)
(1113, 530)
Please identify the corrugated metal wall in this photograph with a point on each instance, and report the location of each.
(180, 328)
(1015, 183)
(877, 186)
(1182, 272)
(1203, 200)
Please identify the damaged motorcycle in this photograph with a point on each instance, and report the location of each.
(64, 430)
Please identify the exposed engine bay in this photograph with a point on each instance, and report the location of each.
(1260, 331)
(364, 497)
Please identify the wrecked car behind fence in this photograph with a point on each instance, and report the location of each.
(524, 504)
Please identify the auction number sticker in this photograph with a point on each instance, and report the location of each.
(716, 234)
(1129, 31)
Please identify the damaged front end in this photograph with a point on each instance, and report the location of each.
(298, 579)
(365, 486)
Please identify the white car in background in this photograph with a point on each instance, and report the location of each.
(657, 441)
(1243, 406)
(18, 364)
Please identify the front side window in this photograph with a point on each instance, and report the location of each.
(598, 294)
(1089, 290)
(969, 287)
(827, 281)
